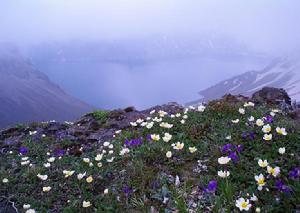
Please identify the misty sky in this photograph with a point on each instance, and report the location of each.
(270, 27)
(267, 25)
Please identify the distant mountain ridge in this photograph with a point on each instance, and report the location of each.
(281, 73)
(28, 95)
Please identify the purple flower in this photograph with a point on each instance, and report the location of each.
(226, 148)
(244, 135)
(294, 173)
(133, 142)
(59, 152)
(239, 148)
(148, 137)
(23, 150)
(127, 191)
(280, 186)
(252, 135)
(211, 187)
(269, 119)
(233, 157)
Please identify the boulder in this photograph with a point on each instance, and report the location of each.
(270, 95)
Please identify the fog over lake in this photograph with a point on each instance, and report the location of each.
(144, 52)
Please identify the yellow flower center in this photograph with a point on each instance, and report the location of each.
(261, 181)
(244, 205)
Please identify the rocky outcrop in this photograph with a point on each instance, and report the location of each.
(84, 131)
(271, 95)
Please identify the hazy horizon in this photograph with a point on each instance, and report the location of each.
(140, 52)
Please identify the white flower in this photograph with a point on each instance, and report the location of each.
(89, 179)
(156, 119)
(25, 162)
(267, 137)
(155, 137)
(169, 154)
(162, 113)
(133, 123)
(185, 117)
(254, 198)
(223, 174)
(281, 131)
(260, 179)
(24, 158)
(178, 146)
(201, 108)
(106, 143)
(81, 175)
(243, 204)
(30, 211)
(139, 121)
(110, 160)
(4, 180)
(249, 104)
(192, 149)
(105, 191)
(178, 115)
(86, 160)
(110, 152)
(273, 171)
(259, 122)
(118, 132)
(192, 107)
(42, 177)
(242, 111)
(182, 121)
(177, 180)
(167, 137)
(281, 150)
(86, 204)
(267, 128)
(152, 112)
(98, 157)
(51, 160)
(228, 137)
(32, 132)
(26, 206)
(111, 146)
(144, 124)
(272, 114)
(99, 165)
(46, 188)
(235, 121)
(124, 151)
(68, 173)
(47, 165)
(149, 125)
(223, 160)
(166, 125)
(251, 119)
(257, 210)
(262, 163)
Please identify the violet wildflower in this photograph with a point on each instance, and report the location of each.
(280, 186)
(127, 191)
(23, 150)
(239, 148)
(226, 148)
(294, 173)
(59, 152)
(252, 135)
(211, 187)
(233, 157)
(269, 119)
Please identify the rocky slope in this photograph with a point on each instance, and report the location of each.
(164, 159)
(28, 95)
(281, 73)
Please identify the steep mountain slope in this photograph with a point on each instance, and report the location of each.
(282, 73)
(27, 94)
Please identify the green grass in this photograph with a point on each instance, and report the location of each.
(149, 175)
